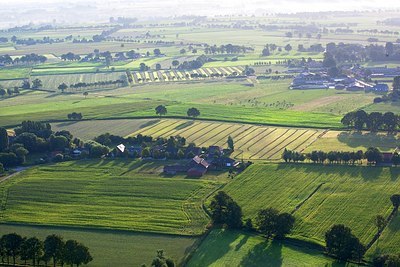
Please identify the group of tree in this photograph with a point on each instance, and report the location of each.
(26, 59)
(37, 137)
(9, 91)
(161, 260)
(269, 222)
(374, 121)
(53, 249)
(36, 84)
(75, 116)
(193, 64)
(343, 244)
(372, 155)
(227, 49)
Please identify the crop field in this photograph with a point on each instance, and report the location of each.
(176, 75)
(53, 81)
(251, 141)
(107, 195)
(319, 196)
(354, 141)
(232, 248)
(87, 130)
(112, 248)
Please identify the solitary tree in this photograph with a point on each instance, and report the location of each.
(85, 94)
(3, 139)
(341, 243)
(36, 84)
(224, 210)
(380, 222)
(193, 112)
(230, 143)
(175, 63)
(62, 87)
(161, 110)
(395, 201)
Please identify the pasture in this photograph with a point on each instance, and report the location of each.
(318, 196)
(124, 195)
(233, 248)
(112, 248)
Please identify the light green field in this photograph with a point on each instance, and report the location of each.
(126, 195)
(14, 73)
(348, 195)
(112, 248)
(231, 248)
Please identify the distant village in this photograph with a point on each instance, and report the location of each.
(354, 79)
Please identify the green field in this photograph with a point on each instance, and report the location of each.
(112, 248)
(344, 194)
(127, 195)
(231, 248)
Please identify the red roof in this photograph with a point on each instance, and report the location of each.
(200, 161)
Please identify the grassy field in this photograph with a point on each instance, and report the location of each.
(127, 195)
(112, 248)
(231, 248)
(348, 195)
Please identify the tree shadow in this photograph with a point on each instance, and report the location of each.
(378, 140)
(267, 253)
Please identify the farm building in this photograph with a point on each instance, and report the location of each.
(380, 87)
(310, 80)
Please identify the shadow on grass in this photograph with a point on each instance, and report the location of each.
(379, 140)
(269, 253)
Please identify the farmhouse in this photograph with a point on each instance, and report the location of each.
(310, 80)
(381, 87)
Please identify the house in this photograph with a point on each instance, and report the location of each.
(76, 152)
(198, 167)
(355, 87)
(380, 87)
(174, 169)
(387, 158)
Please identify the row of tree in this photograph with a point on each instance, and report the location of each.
(53, 248)
(26, 59)
(372, 155)
(62, 87)
(373, 121)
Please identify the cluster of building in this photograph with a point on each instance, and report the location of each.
(201, 163)
(310, 80)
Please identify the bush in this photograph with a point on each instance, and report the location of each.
(58, 158)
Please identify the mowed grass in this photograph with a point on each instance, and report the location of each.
(233, 248)
(106, 194)
(112, 248)
(87, 130)
(348, 195)
(251, 141)
(354, 141)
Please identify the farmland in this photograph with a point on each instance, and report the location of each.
(107, 195)
(230, 248)
(112, 248)
(348, 195)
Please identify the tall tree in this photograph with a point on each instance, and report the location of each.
(230, 143)
(36, 84)
(53, 248)
(224, 210)
(395, 200)
(32, 249)
(193, 112)
(161, 110)
(12, 245)
(3, 139)
(62, 87)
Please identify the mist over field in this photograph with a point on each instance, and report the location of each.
(44, 11)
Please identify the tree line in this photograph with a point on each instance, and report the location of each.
(372, 155)
(26, 59)
(62, 87)
(53, 249)
(374, 121)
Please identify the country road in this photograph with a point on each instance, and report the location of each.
(17, 170)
